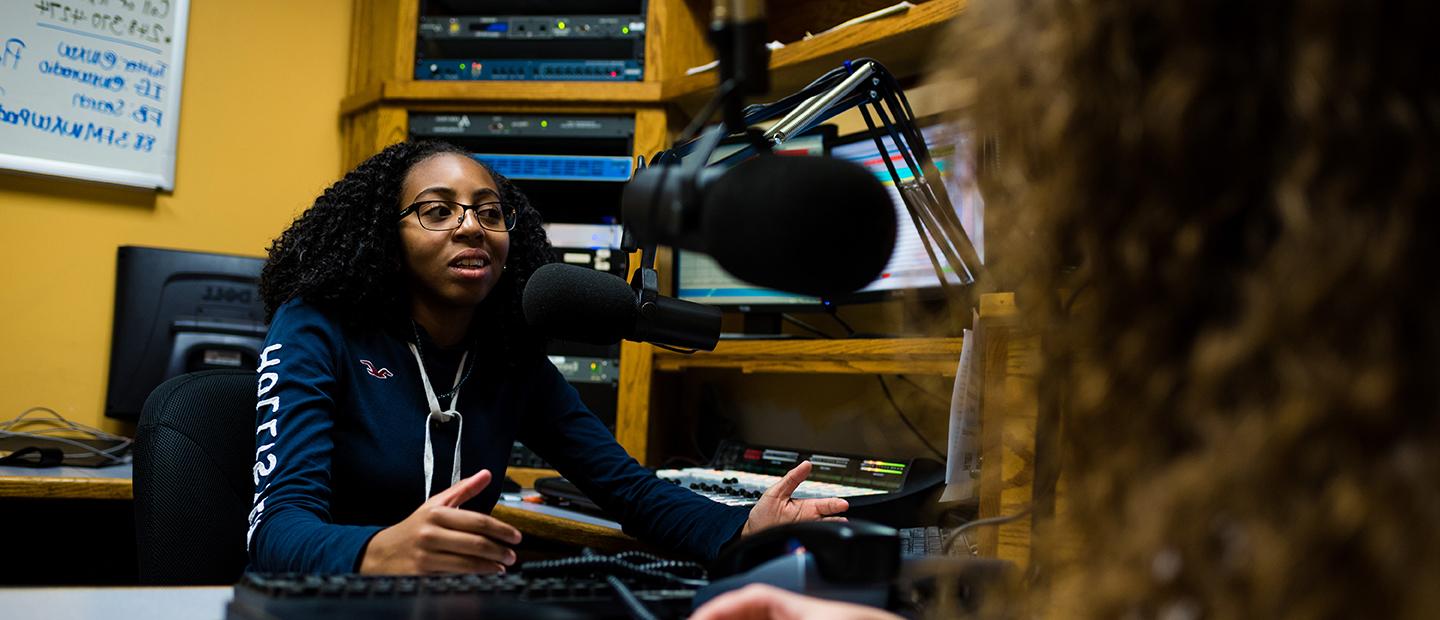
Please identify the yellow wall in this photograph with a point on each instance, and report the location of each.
(259, 139)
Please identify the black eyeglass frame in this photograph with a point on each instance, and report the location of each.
(510, 214)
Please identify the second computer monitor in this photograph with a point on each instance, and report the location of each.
(910, 269)
(698, 278)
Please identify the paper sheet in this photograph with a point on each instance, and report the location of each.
(962, 465)
(893, 9)
(773, 45)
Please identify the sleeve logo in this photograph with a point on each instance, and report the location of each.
(378, 373)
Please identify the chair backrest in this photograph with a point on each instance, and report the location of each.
(194, 450)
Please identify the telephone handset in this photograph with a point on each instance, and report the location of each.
(844, 551)
(852, 561)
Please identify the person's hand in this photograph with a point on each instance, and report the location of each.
(761, 602)
(776, 507)
(440, 537)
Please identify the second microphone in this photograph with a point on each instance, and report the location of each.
(575, 303)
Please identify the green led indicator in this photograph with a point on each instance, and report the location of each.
(462, 66)
(560, 25)
(624, 30)
(544, 123)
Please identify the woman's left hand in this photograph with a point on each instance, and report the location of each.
(776, 507)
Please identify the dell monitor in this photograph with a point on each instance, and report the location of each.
(699, 279)
(179, 312)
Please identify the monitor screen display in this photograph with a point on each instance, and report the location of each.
(909, 266)
(699, 279)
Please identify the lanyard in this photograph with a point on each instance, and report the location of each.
(441, 417)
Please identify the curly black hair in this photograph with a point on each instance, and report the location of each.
(1247, 384)
(343, 254)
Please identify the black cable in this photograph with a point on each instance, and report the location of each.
(676, 349)
(922, 390)
(706, 112)
(678, 568)
(664, 571)
(959, 532)
(805, 326)
(1075, 294)
(638, 611)
(906, 420)
(835, 314)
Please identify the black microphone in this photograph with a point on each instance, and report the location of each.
(811, 225)
(594, 307)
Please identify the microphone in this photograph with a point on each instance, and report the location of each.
(816, 226)
(594, 307)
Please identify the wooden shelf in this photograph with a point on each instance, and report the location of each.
(929, 356)
(526, 476)
(901, 42)
(402, 92)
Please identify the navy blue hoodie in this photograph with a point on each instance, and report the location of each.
(340, 433)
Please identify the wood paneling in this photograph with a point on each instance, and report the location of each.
(1008, 422)
(382, 42)
(368, 132)
(676, 38)
(632, 413)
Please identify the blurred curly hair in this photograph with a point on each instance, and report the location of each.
(343, 254)
(1249, 379)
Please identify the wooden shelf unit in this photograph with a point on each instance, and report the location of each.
(410, 92)
(383, 92)
(901, 42)
(674, 44)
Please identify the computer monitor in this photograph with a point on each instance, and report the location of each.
(179, 312)
(910, 270)
(698, 278)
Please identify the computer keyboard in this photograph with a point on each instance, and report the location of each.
(584, 587)
(917, 542)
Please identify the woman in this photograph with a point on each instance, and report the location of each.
(398, 362)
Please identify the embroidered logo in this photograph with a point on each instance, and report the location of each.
(378, 373)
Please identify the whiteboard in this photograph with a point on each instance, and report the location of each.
(90, 89)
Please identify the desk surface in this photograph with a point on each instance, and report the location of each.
(203, 603)
(114, 483)
(66, 482)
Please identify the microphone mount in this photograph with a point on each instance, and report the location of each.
(738, 33)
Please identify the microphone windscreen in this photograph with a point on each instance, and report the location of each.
(811, 225)
(580, 304)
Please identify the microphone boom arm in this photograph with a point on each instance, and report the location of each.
(868, 85)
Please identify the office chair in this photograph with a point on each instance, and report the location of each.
(194, 449)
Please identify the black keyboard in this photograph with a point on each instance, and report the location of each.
(918, 542)
(582, 587)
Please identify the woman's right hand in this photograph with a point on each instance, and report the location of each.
(440, 537)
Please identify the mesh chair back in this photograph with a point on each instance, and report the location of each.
(194, 450)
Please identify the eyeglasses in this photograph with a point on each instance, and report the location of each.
(441, 215)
